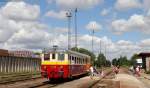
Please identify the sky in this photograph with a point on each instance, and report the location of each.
(122, 27)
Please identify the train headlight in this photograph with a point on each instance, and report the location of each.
(45, 67)
(61, 66)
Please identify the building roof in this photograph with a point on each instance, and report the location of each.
(144, 54)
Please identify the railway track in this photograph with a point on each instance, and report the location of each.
(43, 85)
(108, 73)
(7, 80)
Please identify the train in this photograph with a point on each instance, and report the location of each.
(63, 64)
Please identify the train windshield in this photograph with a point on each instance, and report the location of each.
(46, 56)
(61, 56)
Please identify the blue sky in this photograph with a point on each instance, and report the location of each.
(94, 14)
(121, 25)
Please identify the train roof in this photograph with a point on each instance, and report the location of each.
(65, 51)
(74, 52)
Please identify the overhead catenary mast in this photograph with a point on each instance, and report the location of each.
(69, 15)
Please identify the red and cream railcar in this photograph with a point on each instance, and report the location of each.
(64, 64)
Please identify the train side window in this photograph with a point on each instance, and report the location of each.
(83, 60)
(75, 60)
(69, 58)
(46, 56)
(53, 56)
(79, 61)
(60, 56)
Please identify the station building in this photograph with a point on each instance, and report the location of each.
(145, 60)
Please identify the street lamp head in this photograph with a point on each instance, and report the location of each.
(68, 14)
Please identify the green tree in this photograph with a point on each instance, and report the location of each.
(108, 63)
(114, 62)
(75, 49)
(101, 60)
(133, 59)
(87, 52)
(123, 61)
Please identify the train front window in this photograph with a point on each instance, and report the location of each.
(53, 56)
(60, 56)
(46, 56)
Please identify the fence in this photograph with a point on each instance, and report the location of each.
(11, 64)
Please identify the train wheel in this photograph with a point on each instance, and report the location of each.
(70, 77)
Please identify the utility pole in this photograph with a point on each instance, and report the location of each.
(75, 21)
(69, 15)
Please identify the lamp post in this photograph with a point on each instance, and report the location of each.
(93, 40)
(69, 15)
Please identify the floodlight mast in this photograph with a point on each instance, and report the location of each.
(69, 15)
(75, 21)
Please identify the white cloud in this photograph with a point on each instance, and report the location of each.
(93, 25)
(7, 28)
(58, 15)
(20, 11)
(19, 27)
(83, 4)
(112, 49)
(127, 4)
(135, 22)
(105, 12)
(146, 4)
(123, 42)
(25, 32)
(31, 36)
(145, 43)
(50, 1)
(60, 30)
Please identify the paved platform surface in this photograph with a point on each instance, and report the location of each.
(129, 81)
